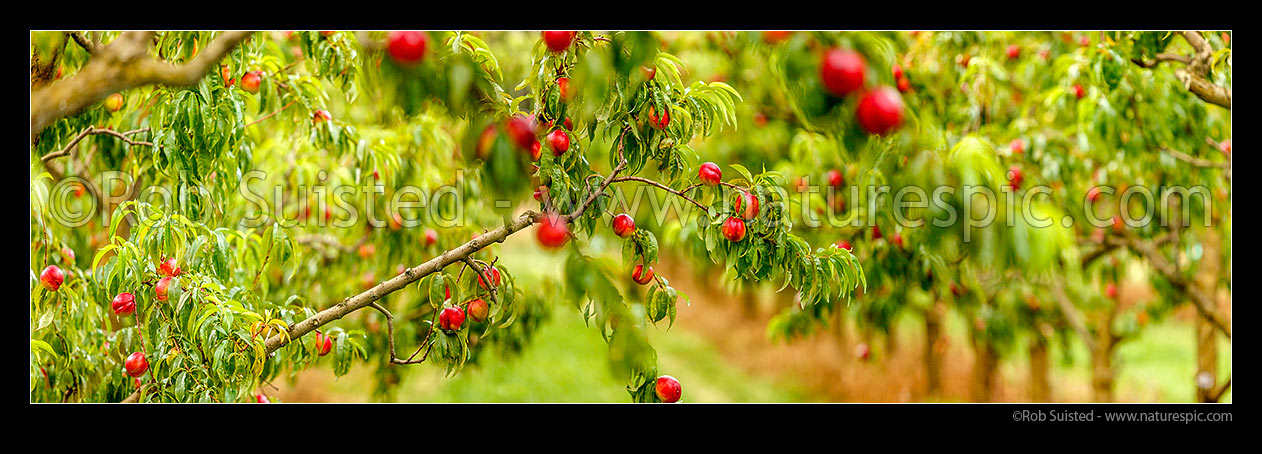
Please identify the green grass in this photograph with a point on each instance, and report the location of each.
(1158, 365)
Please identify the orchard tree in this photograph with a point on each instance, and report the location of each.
(1056, 126)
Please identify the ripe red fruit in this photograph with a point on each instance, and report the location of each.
(559, 141)
(843, 244)
(493, 275)
(136, 382)
(321, 116)
(898, 72)
(641, 275)
(522, 130)
(114, 102)
(1118, 225)
(1111, 290)
(51, 278)
(897, 239)
(553, 231)
(1093, 194)
(250, 81)
(862, 351)
(261, 399)
(324, 344)
(162, 287)
(842, 71)
(876, 232)
(904, 85)
(668, 389)
(169, 268)
(569, 124)
(124, 304)
(558, 41)
(563, 84)
(483, 148)
(709, 173)
(536, 150)
(649, 72)
(747, 205)
(773, 37)
(451, 318)
(1014, 51)
(834, 177)
(1014, 177)
(408, 46)
(431, 237)
(478, 310)
(880, 110)
(1079, 92)
(68, 253)
(760, 119)
(1017, 145)
(136, 364)
(656, 122)
(623, 225)
(734, 229)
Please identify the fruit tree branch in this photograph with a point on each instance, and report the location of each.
(400, 281)
(123, 64)
(370, 296)
(1203, 303)
(92, 131)
(1193, 74)
(662, 187)
(1073, 316)
(92, 47)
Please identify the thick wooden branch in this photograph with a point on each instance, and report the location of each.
(123, 64)
(86, 43)
(396, 283)
(1193, 74)
(1196, 68)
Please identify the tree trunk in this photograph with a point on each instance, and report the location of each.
(985, 362)
(1206, 377)
(1040, 384)
(933, 358)
(1102, 374)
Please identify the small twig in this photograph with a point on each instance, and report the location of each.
(93, 131)
(252, 123)
(662, 187)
